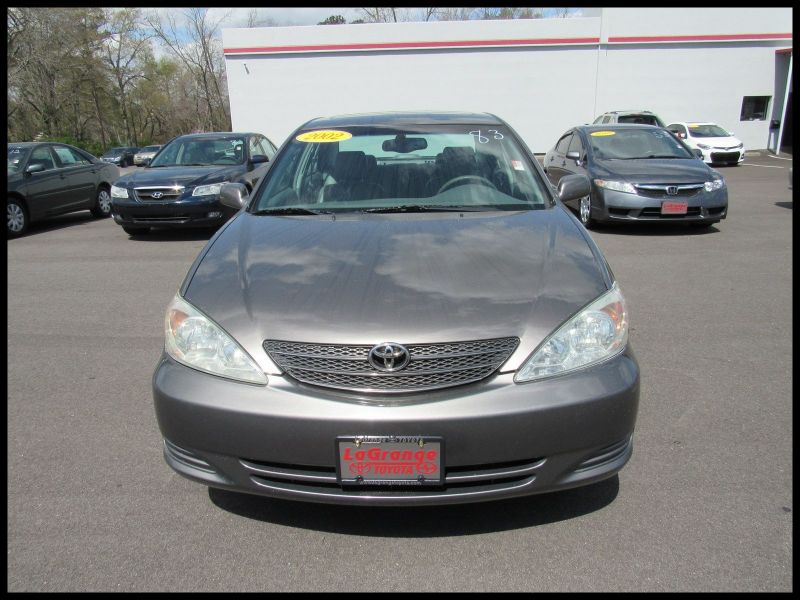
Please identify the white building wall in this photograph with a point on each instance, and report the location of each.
(559, 73)
(682, 83)
(275, 93)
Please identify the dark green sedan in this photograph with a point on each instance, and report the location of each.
(47, 179)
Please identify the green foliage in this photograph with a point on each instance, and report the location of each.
(89, 77)
(333, 20)
(91, 147)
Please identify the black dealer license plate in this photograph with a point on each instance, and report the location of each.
(389, 460)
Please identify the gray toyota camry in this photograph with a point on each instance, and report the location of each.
(402, 312)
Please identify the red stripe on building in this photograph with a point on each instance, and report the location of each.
(702, 38)
(411, 45)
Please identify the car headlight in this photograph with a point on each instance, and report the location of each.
(196, 341)
(208, 190)
(596, 333)
(741, 145)
(619, 186)
(119, 192)
(713, 185)
(703, 146)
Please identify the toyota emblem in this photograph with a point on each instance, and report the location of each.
(388, 357)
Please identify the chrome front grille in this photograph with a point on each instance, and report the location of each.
(158, 193)
(430, 366)
(660, 190)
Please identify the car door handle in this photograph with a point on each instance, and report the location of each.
(551, 158)
(563, 163)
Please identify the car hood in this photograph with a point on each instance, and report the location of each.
(183, 176)
(653, 170)
(419, 278)
(720, 142)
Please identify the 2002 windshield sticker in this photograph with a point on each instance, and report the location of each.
(483, 139)
(324, 135)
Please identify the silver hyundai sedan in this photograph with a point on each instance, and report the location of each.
(403, 312)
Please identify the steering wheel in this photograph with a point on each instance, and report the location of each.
(462, 179)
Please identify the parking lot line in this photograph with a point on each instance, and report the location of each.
(765, 166)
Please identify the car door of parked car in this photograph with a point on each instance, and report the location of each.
(678, 130)
(258, 146)
(575, 166)
(78, 175)
(558, 159)
(44, 190)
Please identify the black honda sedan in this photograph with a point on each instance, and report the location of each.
(180, 187)
(47, 179)
(638, 173)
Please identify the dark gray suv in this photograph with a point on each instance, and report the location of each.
(401, 313)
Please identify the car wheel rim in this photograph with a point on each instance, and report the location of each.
(586, 209)
(104, 201)
(16, 218)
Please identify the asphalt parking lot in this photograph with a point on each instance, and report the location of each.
(705, 503)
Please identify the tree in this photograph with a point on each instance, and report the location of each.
(201, 54)
(126, 46)
(333, 20)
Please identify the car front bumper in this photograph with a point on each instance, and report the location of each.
(502, 439)
(719, 155)
(176, 213)
(703, 207)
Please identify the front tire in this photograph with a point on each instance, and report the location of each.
(102, 204)
(585, 212)
(17, 218)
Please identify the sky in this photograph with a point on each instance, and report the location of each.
(297, 15)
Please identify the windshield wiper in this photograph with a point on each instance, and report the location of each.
(661, 156)
(410, 208)
(291, 211)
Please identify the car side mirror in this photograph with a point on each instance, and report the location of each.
(697, 152)
(233, 195)
(258, 158)
(34, 168)
(572, 187)
(576, 156)
(146, 161)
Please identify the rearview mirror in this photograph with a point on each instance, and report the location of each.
(34, 168)
(403, 145)
(233, 195)
(572, 187)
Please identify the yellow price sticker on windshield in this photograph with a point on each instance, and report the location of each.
(693, 125)
(324, 135)
(602, 133)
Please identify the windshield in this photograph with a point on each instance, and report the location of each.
(223, 150)
(708, 130)
(639, 119)
(626, 144)
(374, 169)
(115, 152)
(149, 149)
(16, 157)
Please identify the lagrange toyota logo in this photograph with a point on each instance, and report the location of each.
(376, 461)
